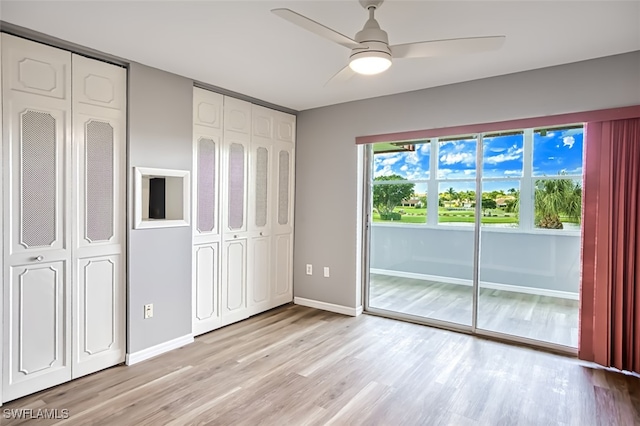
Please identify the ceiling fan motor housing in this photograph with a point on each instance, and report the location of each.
(374, 38)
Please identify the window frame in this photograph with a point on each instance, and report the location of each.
(526, 211)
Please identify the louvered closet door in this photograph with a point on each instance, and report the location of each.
(37, 249)
(237, 123)
(207, 131)
(99, 108)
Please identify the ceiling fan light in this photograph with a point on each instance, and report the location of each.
(370, 63)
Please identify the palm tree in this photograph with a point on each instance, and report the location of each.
(452, 194)
(554, 198)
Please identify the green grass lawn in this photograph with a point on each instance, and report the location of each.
(412, 215)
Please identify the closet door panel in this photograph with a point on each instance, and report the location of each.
(234, 282)
(98, 197)
(259, 274)
(237, 116)
(283, 277)
(101, 310)
(208, 109)
(206, 288)
(36, 69)
(36, 257)
(37, 336)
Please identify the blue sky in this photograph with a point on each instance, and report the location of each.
(557, 151)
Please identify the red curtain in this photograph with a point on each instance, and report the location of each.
(610, 294)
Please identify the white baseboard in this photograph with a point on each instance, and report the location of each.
(339, 309)
(483, 284)
(156, 350)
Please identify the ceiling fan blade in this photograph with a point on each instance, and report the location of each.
(341, 76)
(455, 46)
(315, 27)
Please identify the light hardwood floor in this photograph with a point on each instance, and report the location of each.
(300, 366)
(544, 318)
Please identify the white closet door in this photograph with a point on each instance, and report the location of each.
(237, 125)
(99, 109)
(284, 157)
(36, 274)
(261, 192)
(207, 130)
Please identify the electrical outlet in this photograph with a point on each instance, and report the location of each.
(148, 311)
(309, 269)
(326, 272)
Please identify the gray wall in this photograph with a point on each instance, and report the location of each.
(327, 169)
(160, 133)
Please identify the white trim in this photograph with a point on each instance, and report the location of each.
(339, 309)
(139, 222)
(483, 284)
(156, 350)
(446, 226)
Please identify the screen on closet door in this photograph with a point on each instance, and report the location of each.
(262, 167)
(206, 184)
(99, 164)
(38, 164)
(236, 186)
(283, 188)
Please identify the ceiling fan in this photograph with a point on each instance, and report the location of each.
(370, 50)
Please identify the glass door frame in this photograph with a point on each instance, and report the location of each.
(472, 329)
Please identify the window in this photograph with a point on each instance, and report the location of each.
(529, 179)
(401, 171)
(557, 167)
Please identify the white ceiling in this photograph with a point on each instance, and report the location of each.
(242, 47)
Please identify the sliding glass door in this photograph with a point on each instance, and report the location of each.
(530, 270)
(422, 233)
(479, 233)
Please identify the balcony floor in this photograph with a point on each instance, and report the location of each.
(544, 318)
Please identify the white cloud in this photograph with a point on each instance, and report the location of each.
(568, 141)
(384, 171)
(425, 148)
(404, 168)
(390, 161)
(513, 153)
(411, 158)
(469, 172)
(513, 172)
(457, 158)
(443, 173)
(417, 174)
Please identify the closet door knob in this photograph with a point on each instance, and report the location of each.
(38, 258)
(261, 234)
(235, 236)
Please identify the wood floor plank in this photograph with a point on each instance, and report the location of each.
(544, 318)
(300, 366)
